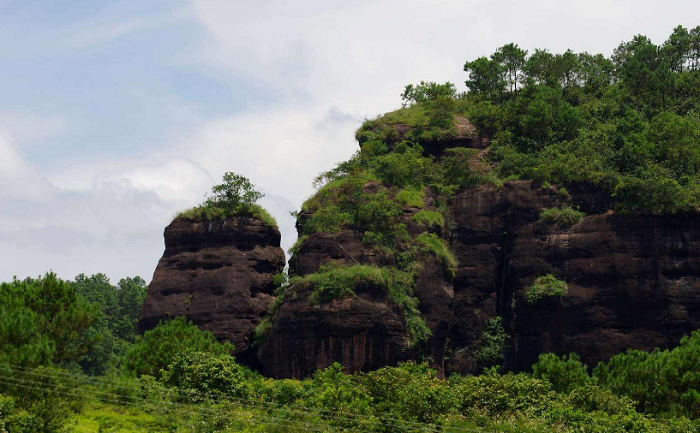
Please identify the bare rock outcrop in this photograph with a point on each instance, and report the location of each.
(218, 274)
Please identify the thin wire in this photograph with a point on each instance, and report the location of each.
(117, 397)
(324, 413)
(135, 405)
(251, 403)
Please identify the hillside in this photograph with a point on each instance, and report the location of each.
(521, 257)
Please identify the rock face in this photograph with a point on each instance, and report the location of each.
(362, 333)
(634, 282)
(219, 275)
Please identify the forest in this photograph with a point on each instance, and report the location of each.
(626, 126)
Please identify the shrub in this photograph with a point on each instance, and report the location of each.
(662, 381)
(565, 373)
(209, 212)
(236, 196)
(494, 341)
(546, 287)
(404, 167)
(461, 167)
(429, 218)
(207, 374)
(427, 91)
(563, 216)
(435, 245)
(655, 194)
(497, 394)
(44, 320)
(327, 219)
(262, 329)
(333, 282)
(410, 392)
(411, 198)
(159, 347)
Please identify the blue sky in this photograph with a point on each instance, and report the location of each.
(114, 115)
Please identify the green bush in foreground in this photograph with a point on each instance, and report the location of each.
(662, 381)
(565, 374)
(159, 347)
(564, 216)
(207, 374)
(546, 287)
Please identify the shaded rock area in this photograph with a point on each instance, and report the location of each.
(219, 274)
(633, 282)
(362, 333)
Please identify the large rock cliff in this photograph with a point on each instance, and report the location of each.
(633, 281)
(218, 274)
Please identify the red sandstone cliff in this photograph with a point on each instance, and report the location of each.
(218, 274)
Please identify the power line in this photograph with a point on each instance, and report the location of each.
(201, 411)
(328, 415)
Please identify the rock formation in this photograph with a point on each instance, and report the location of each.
(219, 274)
(634, 282)
(362, 333)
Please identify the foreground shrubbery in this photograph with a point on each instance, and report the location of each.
(179, 378)
(212, 391)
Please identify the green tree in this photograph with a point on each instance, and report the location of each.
(159, 347)
(677, 48)
(662, 381)
(427, 91)
(485, 77)
(131, 293)
(694, 55)
(512, 60)
(234, 192)
(44, 317)
(565, 374)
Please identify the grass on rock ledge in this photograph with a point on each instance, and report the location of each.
(209, 212)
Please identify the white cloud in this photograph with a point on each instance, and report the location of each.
(114, 226)
(31, 129)
(328, 63)
(100, 31)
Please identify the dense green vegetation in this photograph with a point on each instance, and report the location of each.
(178, 378)
(547, 286)
(236, 196)
(204, 391)
(627, 126)
(564, 216)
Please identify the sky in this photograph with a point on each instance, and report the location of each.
(115, 115)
